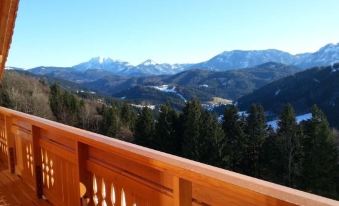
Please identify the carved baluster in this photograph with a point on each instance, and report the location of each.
(95, 191)
(47, 169)
(52, 171)
(103, 193)
(123, 198)
(31, 159)
(43, 167)
(113, 199)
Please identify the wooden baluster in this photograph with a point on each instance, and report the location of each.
(83, 175)
(37, 161)
(10, 144)
(182, 192)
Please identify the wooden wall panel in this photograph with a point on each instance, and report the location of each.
(126, 192)
(24, 153)
(3, 140)
(59, 174)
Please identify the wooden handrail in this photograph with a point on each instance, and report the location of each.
(117, 171)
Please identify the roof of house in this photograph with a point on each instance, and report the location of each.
(8, 11)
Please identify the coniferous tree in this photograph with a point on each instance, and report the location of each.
(65, 106)
(320, 165)
(110, 123)
(270, 165)
(289, 147)
(233, 145)
(127, 116)
(256, 133)
(210, 137)
(201, 134)
(144, 128)
(55, 100)
(165, 138)
(190, 131)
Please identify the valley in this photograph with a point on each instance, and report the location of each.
(269, 77)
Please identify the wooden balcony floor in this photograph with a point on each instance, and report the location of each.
(14, 192)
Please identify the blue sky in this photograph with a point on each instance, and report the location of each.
(67, 32)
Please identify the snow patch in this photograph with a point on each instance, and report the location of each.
(333, 67)
(243, 114)
(164, 88)
(168, 89)
(277, 92)
(303, 117)
(203, 85)
(150, 106)
(300, 118)
(316, 80)
(221, 118)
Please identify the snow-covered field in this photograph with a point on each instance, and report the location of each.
(169, 89)
(300, 118)
(152, 107)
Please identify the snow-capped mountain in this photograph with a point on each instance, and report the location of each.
(151, 67)
(148, 67)
(238, 59)
(326, 55)
(104, 63)
(228, 60)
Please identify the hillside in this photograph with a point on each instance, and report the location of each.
(315, 86)
(27, 94)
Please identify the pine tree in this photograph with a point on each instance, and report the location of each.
(144, 128)
(289, 146)
(55, 100)
(270, 165)
(320, 165)
(201, 134)
(233, 145)
(65, 106)
(210, 137)
(165, 138)
(110, 123)
(256, 133)
(190, 131)
(127, 116)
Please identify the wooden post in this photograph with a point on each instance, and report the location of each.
(182, 192)
(37, 161)
(10, 144)
(83, 175)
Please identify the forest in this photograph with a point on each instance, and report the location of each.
(302, 156)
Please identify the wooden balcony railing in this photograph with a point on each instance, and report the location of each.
(55, 159)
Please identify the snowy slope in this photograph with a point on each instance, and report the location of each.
(300, 118)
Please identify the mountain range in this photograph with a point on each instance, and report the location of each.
(194, 83)
(228, 60)
(269, 77)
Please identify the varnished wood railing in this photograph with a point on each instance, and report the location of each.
(54, 159)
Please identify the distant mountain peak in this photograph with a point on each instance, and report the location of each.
(330, 48)
(148, 62)
(101, 60)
